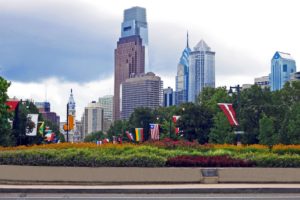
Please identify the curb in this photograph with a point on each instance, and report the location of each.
(151, 190)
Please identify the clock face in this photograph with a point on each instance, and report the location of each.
(72, 106)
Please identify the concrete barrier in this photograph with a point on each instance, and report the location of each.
(133, 175)
(100, 175)
(259, 175)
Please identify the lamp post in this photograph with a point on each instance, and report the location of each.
(67, 122)
(230, 92)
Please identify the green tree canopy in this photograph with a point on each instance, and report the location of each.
(5, 115)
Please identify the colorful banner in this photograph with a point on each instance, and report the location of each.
(139, 134)
(154, 130)
(175, 118)
(41, 129)
(31, 124)
(228, 110)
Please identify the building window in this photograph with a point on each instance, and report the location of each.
(284, 68)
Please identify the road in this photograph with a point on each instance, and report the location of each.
(21, 196)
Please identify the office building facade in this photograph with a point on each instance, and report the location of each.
(263, 82)
(92, 120)
(106, 103)
(201, 70)
(169, 97)
(182, 78)
(131, 51)
(282, 66)
(144, 90)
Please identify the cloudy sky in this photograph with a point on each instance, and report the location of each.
(48, 47)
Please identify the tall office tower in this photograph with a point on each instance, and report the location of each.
(263, 82)
(282, 66)
(135, 23)
(92, 120)
(182, 78)
(168, 95)
(201, 70)
(141, 91)
(106, 103)
(130, 51)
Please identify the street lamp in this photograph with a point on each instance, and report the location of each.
(230, 92)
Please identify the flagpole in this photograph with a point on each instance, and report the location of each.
(67, 122)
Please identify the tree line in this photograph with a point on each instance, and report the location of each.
(265, 117)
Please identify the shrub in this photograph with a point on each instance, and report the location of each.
(286, 149)
(207, 161)
(274, 160)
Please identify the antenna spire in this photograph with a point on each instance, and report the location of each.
(187, 39)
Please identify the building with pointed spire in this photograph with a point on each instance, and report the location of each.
(282, 67)
(73, 135)
(201, 70)
(182, 78)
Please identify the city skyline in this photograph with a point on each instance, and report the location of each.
(241, 44)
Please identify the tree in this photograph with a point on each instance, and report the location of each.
(141, 118)
(293, 128)
(5, 115)
(267, 135)
(95, 136)
(118, 128)
(221, 132)
(195, 122)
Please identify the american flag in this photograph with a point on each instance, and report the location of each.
(154, 128)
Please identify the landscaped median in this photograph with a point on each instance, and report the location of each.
(164, 161)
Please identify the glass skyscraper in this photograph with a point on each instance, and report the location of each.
(282, 66)
(131, 53)
(182, 78)
(135, 23)
(201, 70)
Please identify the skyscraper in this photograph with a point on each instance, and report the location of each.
(141, 91)
(106, 103)
(92, 120)
(282, 66)
(130, 52)
(168, 95)
(201, 70)
(182, 78)
(135, 23)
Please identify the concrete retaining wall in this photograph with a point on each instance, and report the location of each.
(133, 175)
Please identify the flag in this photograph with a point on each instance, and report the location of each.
(175, 118)
(129, 135)
(229, 112)
(12, 105)
(41, 129)
(50, 136)
(31, 124)
(154, 130)
(177, 130)
(139, 134)
(106, 140)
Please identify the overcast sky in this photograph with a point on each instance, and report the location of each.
(48, 47)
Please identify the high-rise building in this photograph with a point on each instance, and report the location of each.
(130, 52)
(282, 66)
(168, 95)
(201, 70)
(45, 109)
(141, 91)
(92, 120)
(263, 82)
(182, 78)
(106, 103)
(135, 23)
